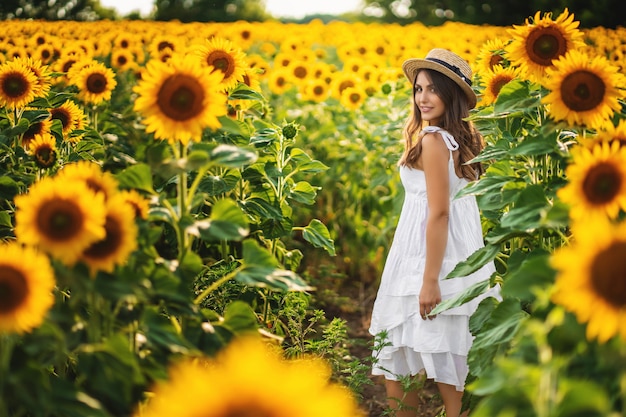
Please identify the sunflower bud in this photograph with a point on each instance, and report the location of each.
(290, 130)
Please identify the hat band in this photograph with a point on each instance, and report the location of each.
(452, 68)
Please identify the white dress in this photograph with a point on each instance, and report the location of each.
(440, 346)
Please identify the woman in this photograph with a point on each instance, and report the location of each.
(435, 231)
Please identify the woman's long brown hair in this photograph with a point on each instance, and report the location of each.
(453, 120)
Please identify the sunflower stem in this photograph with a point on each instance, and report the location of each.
(7, 342)
(183, 238)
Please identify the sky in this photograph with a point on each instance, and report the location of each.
(279, 8)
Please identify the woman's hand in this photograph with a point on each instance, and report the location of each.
(430, 296)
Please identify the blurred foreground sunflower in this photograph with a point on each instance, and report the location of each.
(250, 379)
(590, 278)
(179, 98)
(584, 91)
(92, 175)
(596, 181)
(26, 285)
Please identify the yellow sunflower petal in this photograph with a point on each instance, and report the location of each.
(254, 380)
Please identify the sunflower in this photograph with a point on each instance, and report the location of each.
(492, 53)
(494, 81)
(279, 80)
(38, 128)
(253, 381)
(18, 84)
(123, 60)
(180, 98)
(70, 116)
(596, 181)
(92, 175)
(590, 278)
(41, 71)
(315, 90)
(120, 239)
(95, 83)
(43, 148)
(353, 97)
(536, 45)
(44, 53)
(26, 286)
(61, 217)
(140, 205)
(584, 91)
(225, 58)
(63, 65)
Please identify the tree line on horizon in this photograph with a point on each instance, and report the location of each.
(432, 13)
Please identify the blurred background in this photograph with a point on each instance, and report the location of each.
(429, 12)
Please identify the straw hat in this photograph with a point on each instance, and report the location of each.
(447, 63)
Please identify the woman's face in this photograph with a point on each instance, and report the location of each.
(428, 102)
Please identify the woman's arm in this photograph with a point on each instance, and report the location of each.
(434, 161)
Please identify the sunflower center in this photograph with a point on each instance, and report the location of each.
(122, 60)
(582, 90)
(111, 242)
(61, 115)
(45, 157)
(608, 274)
(497, 85)
(494, 60)
(181, 97)
(300, 72)
(15, 85)
(545, 44)
(59, 220)
(13, 289)
(96, 83)
(222, 61)
(602, 184)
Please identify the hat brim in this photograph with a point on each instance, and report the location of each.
(411, 66)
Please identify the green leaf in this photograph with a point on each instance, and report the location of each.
(475, 261)
(261, 269)
(226, 222)
(244, 93)
(533, 274)
(240, 318)
(305, 163)
(232, 156)
(469, 294)
(317, 234)
(536, 145)
(8, 188)
(234, 127)
(215, 185)
(264, 136)
(303, 192)
(516, 96)
(138, 177)
(499, 329)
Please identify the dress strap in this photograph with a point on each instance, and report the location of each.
(451, 143)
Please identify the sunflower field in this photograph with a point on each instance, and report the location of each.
(174, 196)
